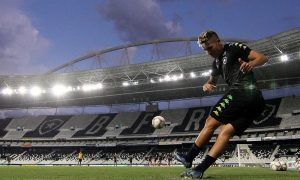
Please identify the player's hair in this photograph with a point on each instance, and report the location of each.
(205, 36)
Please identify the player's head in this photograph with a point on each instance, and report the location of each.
(209, 41)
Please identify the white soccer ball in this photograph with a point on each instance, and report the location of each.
(278, 166)
(275, 165)
(158, 122)
(283, 166)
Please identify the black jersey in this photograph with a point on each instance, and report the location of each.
(228, 66)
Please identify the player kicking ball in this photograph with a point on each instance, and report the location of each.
(236, 110)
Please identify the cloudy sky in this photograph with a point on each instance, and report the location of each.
(39, 35)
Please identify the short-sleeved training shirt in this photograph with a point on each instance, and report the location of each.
(228, 66)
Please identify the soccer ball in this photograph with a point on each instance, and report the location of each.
(158, 122)
(278, 166)
(283, 166)
(275, 165)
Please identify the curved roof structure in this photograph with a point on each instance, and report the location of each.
(287, 73)
(154, 43)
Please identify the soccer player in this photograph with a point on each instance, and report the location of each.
(115, 157)
(130, 159)
(80, 157)
(237, 109)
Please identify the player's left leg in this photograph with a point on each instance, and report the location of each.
(227, 131)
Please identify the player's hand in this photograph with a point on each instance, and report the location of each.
(209, 87)
(245, 66)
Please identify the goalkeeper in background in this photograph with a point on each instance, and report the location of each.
(80, 157)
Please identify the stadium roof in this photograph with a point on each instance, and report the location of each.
(274, 74)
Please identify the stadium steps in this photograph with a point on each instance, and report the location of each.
(92, 159)
(15, 160)
(64, 160)
(274, 153)
(166, 130)
(291, 121)
(14, 134)
(206, 152)
(233, 158)
(288, 104)
(43, 161)
(113, 132)
(65, 134)
(3, 161)
(109, 160)
(253, 158)
(144, 159)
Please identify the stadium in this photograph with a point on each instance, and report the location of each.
(104, 108)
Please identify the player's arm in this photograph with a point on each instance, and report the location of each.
(254, 59)
(210, 85)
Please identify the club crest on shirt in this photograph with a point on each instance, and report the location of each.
(224, 60)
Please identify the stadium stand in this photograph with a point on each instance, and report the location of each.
(131, 124)
(97, 127)
(288, 105)
(18, 127)
(75, 124)
(121, 122)
(48, 128)
(3, 124)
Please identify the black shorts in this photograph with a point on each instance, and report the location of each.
(239, 107)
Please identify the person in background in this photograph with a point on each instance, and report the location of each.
(80, 157)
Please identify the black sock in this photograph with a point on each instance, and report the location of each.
(208, 160)
(193, 152)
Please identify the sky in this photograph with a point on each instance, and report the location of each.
(39, 35)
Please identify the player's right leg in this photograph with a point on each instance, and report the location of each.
(203, 138)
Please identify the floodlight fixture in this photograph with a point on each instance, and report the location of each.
(206, 73)
(134, 83)
(181, 76)
(70, 88)
(152, 81)
(7, 91)
(59, 90)
(99, 86)
(284, 58)
(167, 78)
(90, 87)
(36, 91)
(192, 74)
(22, 90)
(125, 83)
(174, 77)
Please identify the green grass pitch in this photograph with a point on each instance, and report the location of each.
(134, 173)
